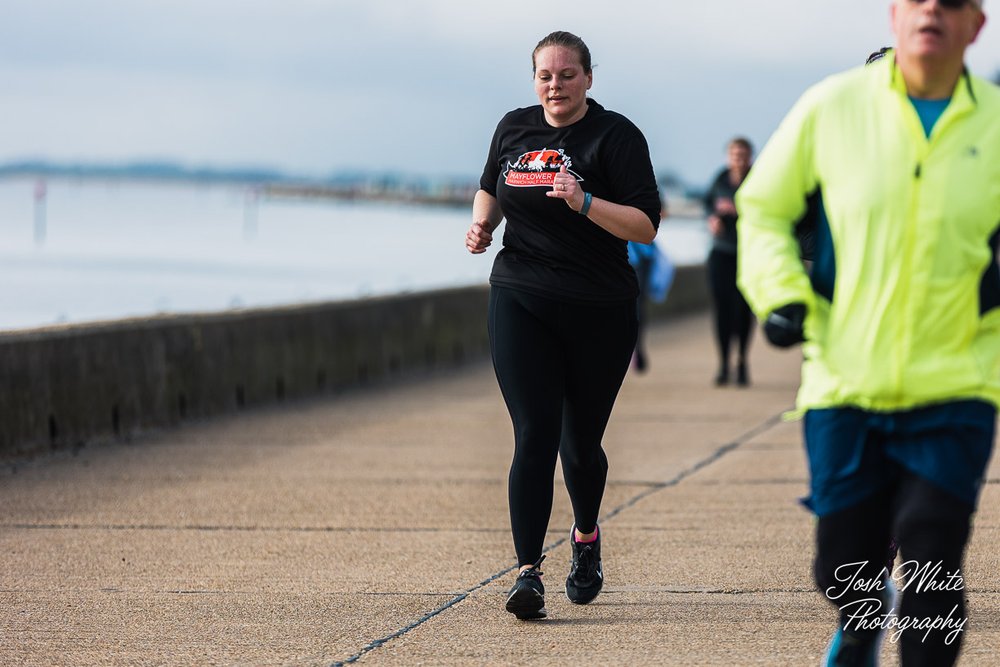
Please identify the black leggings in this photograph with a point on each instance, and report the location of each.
(932, 528)
(560, 366)
(733, 317)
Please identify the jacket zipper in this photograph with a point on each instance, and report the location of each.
(909, 234)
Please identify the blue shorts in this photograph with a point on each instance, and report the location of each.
(853, 453)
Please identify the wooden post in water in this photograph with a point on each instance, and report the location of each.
(250, 199)
(41, 193)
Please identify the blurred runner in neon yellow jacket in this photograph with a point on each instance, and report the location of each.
(899, 313)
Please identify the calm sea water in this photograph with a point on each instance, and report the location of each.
(109, 251)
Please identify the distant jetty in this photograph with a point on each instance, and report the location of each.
(450, 195)
(264, 183)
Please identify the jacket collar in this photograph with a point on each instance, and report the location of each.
(963, 97)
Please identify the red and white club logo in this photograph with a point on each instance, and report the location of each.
(538, 168)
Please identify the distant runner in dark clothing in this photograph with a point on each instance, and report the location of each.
(733, 317)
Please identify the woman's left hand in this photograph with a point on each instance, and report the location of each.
(565, 186)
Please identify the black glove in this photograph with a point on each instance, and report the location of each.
(783, 327)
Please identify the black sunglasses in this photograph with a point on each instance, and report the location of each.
(950, 4)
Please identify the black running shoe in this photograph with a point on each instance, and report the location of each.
(526, 599)
(742, 376)
(585, 575)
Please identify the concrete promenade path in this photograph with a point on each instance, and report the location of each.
(372, 527)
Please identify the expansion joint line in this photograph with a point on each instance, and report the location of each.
(677, 479)
(764, 426)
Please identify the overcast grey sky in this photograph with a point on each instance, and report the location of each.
(416, 86)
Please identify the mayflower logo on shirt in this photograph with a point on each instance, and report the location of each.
(537, 168)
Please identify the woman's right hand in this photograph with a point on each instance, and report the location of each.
(715, 226)
(478, 238)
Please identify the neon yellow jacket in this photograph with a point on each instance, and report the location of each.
(913, 318)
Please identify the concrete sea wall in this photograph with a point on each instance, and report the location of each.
(66, 387)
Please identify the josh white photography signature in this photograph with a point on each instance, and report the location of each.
(868, 613)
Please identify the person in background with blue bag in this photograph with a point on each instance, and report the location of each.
(655, 273)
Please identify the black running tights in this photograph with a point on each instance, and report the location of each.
(560, 366)
(733, 317)
(931, 527)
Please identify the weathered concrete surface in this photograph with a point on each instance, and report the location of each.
(374, 526)
(64, 387)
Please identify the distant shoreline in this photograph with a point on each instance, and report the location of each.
(273, 185)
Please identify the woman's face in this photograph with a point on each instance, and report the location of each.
(561, 84)
(738, 158)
